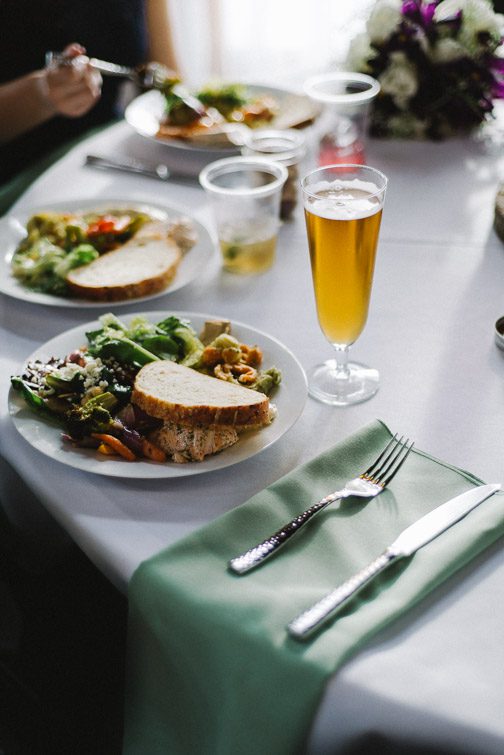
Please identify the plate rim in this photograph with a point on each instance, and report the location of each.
(208, 250)
(146, 469)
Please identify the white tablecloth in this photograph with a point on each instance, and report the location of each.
(435, 679)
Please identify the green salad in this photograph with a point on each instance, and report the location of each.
(233, 103)
(58, 242)
(87, 392)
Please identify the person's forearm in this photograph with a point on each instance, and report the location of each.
(23, 105)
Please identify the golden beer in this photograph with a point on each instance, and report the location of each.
(342, 226)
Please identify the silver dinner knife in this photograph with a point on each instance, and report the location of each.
(410, 540)
(128, 165)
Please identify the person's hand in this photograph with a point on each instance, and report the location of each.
(74, 86)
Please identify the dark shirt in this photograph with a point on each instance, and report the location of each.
(113, 30)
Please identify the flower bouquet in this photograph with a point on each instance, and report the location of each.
(437, 63)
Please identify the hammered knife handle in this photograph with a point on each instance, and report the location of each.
(259, 553)
(314, 617)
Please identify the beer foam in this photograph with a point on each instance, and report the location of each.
(342, 199)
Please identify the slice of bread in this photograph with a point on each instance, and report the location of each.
(171, 391)
(144, 265)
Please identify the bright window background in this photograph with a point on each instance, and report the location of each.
(266, 41)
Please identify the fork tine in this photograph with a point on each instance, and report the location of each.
(388, 474)
(375, 466)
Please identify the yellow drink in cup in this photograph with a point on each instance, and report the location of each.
(245, 194)
(343, 210)
(241, 255)
(342, 280)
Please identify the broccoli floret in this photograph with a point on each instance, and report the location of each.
(93, 417)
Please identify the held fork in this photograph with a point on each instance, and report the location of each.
(367, 485)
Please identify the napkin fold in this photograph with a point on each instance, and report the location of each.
(210, 666)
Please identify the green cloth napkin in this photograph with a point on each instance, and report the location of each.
(210, 666)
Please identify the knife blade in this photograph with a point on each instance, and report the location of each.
(408, 542)
(159, 171)
(129, 166)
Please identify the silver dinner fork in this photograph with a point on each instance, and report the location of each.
(367, 485)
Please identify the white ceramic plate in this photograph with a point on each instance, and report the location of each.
(145, 113)
(289, 398)
(12, 230)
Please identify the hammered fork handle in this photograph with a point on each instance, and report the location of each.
(258, 553)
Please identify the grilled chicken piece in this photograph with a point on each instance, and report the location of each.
(193, 442)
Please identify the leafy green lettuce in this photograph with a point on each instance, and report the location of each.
(142, 342)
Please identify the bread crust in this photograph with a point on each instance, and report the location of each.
(170, 391)
(145, 287)
(143, 266)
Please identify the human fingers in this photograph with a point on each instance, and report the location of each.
(65, 58)
(77, 104)
(72, 95)
(78, 72)
(73, 49)
(93, 81)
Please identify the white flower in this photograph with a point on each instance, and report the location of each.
(359, 52)
(446, 50)
(477, 16)
(399, 79)
(384, 19)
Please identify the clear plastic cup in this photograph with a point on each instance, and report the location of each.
(343, 124)
(287, 147)
(245, 194)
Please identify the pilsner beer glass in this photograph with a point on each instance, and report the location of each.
(343, 207)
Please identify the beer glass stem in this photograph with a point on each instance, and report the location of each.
(341, 362)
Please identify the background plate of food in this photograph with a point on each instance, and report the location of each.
(228, 107)
(161, 381)
(89, 253)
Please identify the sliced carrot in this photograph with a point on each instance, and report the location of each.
(117, 445)
(152, 451)
(106, 450)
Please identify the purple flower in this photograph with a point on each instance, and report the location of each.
(428, 13)
(456, 86)
(496, 64)
(498, 90)
(418, 13)
(496, 68)
(410, 9)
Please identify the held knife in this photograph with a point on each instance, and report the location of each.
(409, 541)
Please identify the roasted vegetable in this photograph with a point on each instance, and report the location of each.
(93, 417)
(113, 443)
(33, 400)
